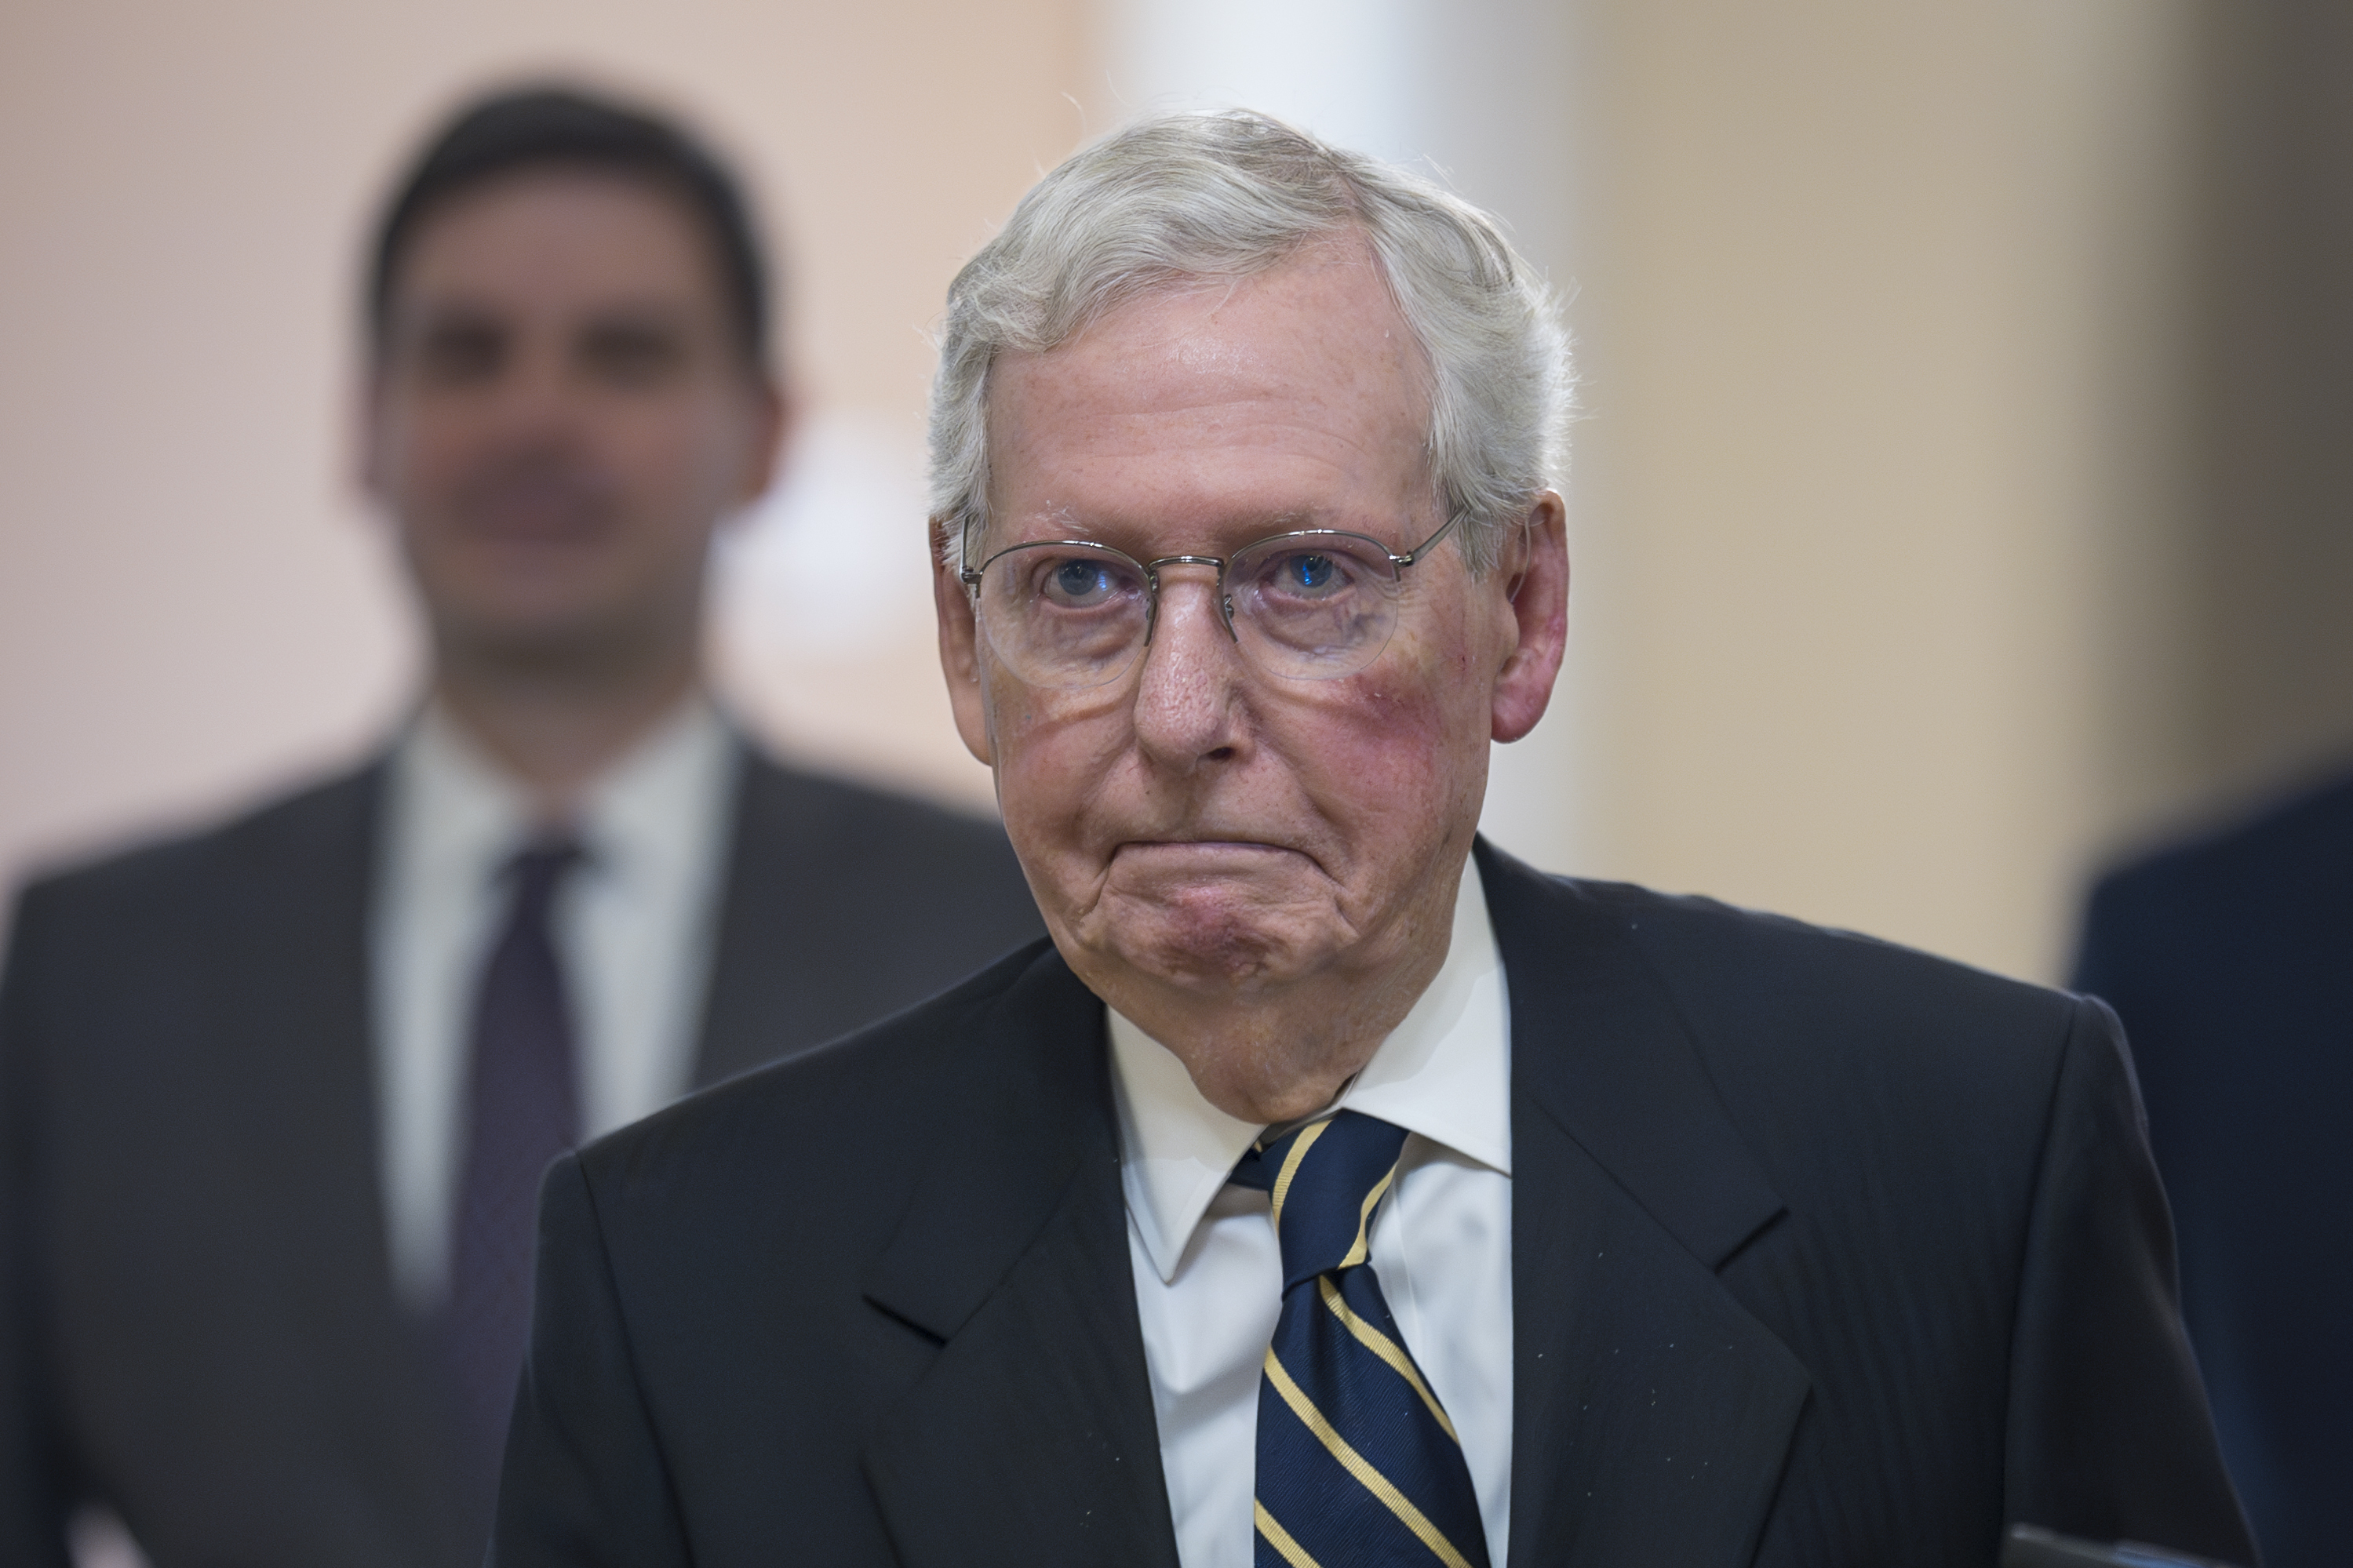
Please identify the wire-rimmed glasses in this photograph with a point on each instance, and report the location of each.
(1311, 605)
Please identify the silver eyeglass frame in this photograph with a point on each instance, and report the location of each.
(970, 575)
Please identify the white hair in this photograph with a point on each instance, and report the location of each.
(1189, 197)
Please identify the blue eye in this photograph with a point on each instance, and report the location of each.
(1312, 572)
(1078, 580)
(1081, 583)
(1309, 574)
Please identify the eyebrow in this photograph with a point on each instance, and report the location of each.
(667, 314)
(1245, 529)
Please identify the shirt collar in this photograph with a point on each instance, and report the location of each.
(469, 816)
(1444, 1073)
(459, 814)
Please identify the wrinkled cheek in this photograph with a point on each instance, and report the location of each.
(1020, 770)
(1051, 760)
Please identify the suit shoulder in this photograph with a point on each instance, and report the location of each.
(1686, 931)
(893, 870)
(851, 805)
(1831, 1050)
(853, 1099)
(172, 869)
(1780, 992)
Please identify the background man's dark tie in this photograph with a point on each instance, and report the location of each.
(523, 1110)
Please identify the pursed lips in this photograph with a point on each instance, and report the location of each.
(1205, 853)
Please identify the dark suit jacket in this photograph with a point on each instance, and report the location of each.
(2231, 959)
(198, 1322)
(1823, 1253)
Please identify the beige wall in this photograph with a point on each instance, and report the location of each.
(1878, 314)
(192, 600)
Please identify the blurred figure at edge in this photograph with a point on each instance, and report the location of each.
(2230, 959)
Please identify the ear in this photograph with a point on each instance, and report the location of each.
(774, 414)
(959, 649)
(1535, 582)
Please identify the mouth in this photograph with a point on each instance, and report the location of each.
(528, 510)
(1203, 855)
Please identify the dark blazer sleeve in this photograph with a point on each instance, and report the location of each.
(585, 1482)
(33, 1484)
(2108, 1433)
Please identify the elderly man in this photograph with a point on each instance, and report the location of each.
(1333, 1189)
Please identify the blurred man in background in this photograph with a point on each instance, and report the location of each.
(2231, 959)
(277, 1096)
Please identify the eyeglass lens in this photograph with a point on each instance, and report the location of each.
(1309, 606)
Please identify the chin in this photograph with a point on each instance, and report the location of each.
(1209, 944)
(548, 628)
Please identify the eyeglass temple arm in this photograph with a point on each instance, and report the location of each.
(1419, 551)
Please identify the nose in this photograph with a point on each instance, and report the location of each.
(536, 400)
(538, 392)
(1187, 700)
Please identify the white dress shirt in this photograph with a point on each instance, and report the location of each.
(1209, 1272)
(633, 925)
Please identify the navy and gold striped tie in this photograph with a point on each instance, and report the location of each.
(1357, 1463)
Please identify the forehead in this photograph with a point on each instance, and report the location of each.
(1298, 392)
(557, 236)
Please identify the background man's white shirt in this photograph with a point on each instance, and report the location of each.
(634, 927)
(1208, 1273)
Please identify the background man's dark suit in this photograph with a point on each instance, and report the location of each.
(1824, 1253)
(198, 1321)
(2231, 960)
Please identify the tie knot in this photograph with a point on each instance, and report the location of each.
(533, 870)
(1327, 1179)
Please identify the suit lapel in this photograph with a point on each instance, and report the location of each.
(756, 954)
(781, 981)
(1032, 1437)
(299, 1018)
(1651, 1410)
